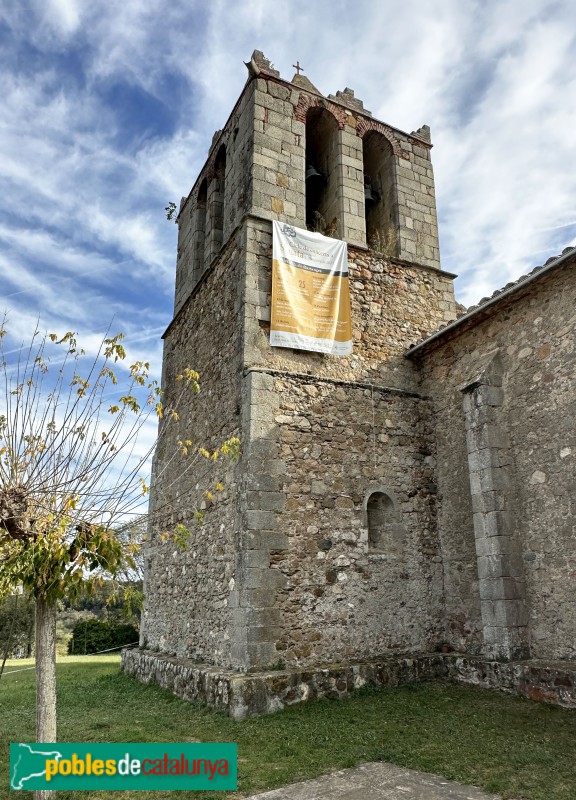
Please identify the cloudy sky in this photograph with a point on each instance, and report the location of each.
(108, 109)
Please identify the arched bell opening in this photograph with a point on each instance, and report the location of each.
(380, 201)
(200, 231)
(321, 177)
(216, 199)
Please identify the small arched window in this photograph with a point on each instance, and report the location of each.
(380, 194)
(385, 532)
(322, 185)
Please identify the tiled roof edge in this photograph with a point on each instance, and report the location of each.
(486, 302)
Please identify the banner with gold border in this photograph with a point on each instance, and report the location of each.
(310, 292)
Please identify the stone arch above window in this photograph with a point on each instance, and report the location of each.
(363, 126)
(380, 194)
(385, 531)
(322, 164)
(306, 102)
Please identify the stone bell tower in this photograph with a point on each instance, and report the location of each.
(322, 547)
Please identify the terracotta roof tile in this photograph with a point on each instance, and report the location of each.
(504, 290)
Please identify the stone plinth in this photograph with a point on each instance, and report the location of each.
(256, 693)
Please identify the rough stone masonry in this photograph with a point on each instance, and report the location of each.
(414, 498)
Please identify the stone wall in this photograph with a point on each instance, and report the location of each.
(252, 536)
(392, 305)
(190, 592)
(506, 515)
(320, 431)
(339, 599)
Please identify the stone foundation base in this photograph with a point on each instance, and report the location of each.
(252, 694)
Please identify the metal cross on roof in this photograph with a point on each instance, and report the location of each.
(298, 68)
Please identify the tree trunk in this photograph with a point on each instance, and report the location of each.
(45, 678)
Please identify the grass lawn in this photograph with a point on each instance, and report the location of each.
(505, 745)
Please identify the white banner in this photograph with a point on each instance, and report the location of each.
(310, 292)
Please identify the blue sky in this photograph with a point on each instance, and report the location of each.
(109, 108)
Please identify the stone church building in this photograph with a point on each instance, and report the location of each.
(403, 513)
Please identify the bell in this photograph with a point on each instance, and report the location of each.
(313, 174)
(369, 196)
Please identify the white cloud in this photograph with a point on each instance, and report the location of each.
(64, 15)
(83, 196)
(502, 187)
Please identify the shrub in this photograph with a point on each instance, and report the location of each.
(93, 636)
(16, 627)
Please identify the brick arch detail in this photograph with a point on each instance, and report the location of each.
(364, 125)
(306, 101)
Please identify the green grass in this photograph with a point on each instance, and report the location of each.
(505, 745)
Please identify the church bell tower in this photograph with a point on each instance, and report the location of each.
(323, 546)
